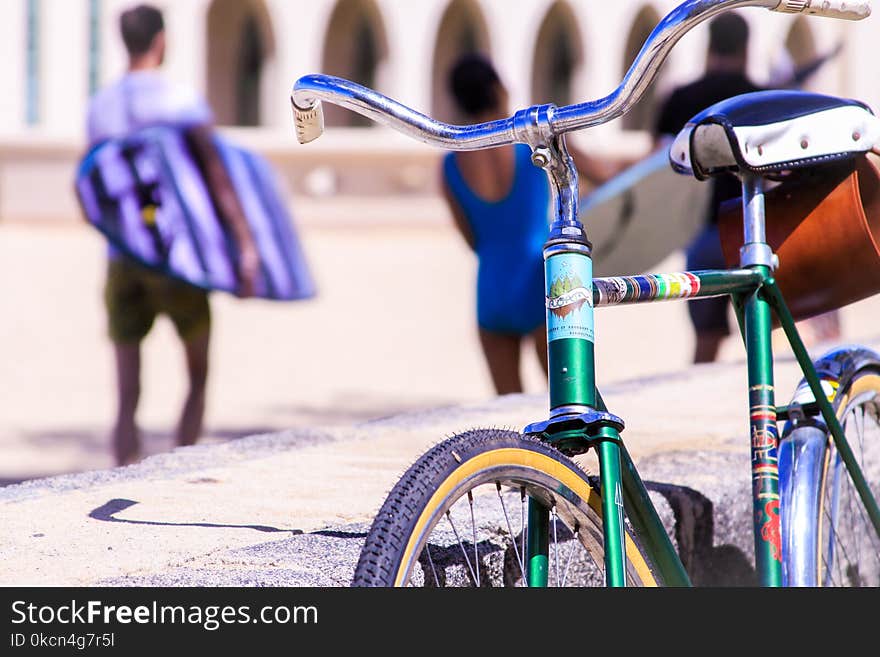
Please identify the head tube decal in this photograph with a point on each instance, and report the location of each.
(569, 297)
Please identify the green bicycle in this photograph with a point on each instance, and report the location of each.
(491, 507)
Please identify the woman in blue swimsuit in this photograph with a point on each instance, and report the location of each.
(501, 202)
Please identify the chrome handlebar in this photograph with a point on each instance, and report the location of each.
(538, 125)
(310, 90)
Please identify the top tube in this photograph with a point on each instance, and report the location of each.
(537, 125)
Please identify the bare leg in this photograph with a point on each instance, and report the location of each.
(707, 347)
(194, 408)
(502, 355)
(540, 337)
(126, 438)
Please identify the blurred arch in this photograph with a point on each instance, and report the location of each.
(462, 30)
(240, 61)
(800, 42)
(641, 116)
(355, 47)
(795, 62)
(558, 56)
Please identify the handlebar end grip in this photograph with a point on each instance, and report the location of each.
(309, 122)
(853, 10)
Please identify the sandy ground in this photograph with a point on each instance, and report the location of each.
(391, 330)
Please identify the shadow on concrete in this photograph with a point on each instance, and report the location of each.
(106, 513)
(338, 534)
(12, 481)
(707, 564)
(98, 440)
(224, 434)
(87, 440)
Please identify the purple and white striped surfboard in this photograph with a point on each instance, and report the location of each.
(146, 194)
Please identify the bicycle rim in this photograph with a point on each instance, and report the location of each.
(459, 517)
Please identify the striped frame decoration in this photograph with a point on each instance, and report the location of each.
(650, 287)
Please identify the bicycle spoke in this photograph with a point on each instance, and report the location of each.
(576, 539)
(860, 430)
(854, 510)
(525, 528)
(433, 569)
(575, 542)
(866, 532)
(848, 493)
(474, 534)
(848, 562)
(850, 532)
(461, 545)
(554, 518)
(519, 559)
(863, 533)
(872, 539)
(835, 550)
(869, 530)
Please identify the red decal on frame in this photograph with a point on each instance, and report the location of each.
(771, 532)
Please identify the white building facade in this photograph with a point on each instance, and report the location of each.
(244, 56)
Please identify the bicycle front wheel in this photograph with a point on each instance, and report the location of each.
(828, 538)
(460, 517)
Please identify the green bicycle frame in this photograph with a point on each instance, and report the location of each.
(572, 386)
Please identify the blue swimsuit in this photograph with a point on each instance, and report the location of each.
(509, 237)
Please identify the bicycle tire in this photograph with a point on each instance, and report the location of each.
(827, 537)
(405, 546)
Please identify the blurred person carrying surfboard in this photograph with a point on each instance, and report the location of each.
(135, 295)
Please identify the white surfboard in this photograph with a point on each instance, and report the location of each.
(641, 216)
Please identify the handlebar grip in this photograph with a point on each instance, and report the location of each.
(309, 122)
(852, 10)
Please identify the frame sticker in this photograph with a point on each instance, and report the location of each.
(569, 283)
(649, 287)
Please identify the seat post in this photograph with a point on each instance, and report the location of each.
(755, 250)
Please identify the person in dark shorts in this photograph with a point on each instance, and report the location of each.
(725, 77)
(133, 295)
